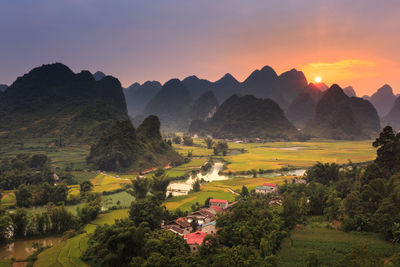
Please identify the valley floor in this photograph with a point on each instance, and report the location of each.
(243, 157)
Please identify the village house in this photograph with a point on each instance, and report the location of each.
(202, 216)
(267, 188)
(299, 181)
(180, 226)
(222, 203)
(195, 240)
(209, 228)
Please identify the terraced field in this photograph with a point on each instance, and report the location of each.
(67, 253)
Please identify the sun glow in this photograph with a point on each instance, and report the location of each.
(318, 79)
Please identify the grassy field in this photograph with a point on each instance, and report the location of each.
(61, 157)
(329, 244)
(124, 199)
(8, 199)
(67, 253)
(102, 182)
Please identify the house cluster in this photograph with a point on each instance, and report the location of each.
(267, 188)
(272, 189)
(206, 220)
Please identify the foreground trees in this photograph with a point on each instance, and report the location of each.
(39, 195)
(250, 234)
(364, 198)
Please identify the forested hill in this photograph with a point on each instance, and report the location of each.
(53, 101)
(246, 117)
(124, 147)
(338, 116)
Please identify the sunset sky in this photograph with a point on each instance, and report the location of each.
(346, 42)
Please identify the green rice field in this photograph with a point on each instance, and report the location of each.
(68, 253)
(330, 245)
(277, 155)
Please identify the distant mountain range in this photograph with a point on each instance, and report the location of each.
(264, 83)
(302, 108)
(245, 117)
(349, 91)
(3, 87)
(52, 101)
(138, 96)
(338, 116)
(393, 117)
(172, 104)
(382, 100)
(98, 75)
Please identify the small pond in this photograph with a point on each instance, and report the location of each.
(21, 248)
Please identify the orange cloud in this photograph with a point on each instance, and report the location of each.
(342, 72)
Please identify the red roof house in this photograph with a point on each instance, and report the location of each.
(216, 209)
(270, 185)
(222, 203)
(195, 238)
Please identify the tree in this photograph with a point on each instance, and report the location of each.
(221, 147)
(290, 212)
(5, 227)
(90, 211)
(396, 232)
(146, 210)
(85, 186)
(317, 195)
(23, 196)
(38, 161)
(388, 152)
(194, 224)
(159, 185)
(323, 173)
(207, 201)
(60, 193)
(196, 186)
(177, 140)
(187, 140)
(245, 192)
(209, 142)
(140, 188)
(20, 221)
(333, 208)
(209, 246)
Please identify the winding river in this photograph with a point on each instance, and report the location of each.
(180, 188)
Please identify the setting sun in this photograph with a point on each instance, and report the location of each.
(318, 79)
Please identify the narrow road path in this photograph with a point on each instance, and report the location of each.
(229, 189)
